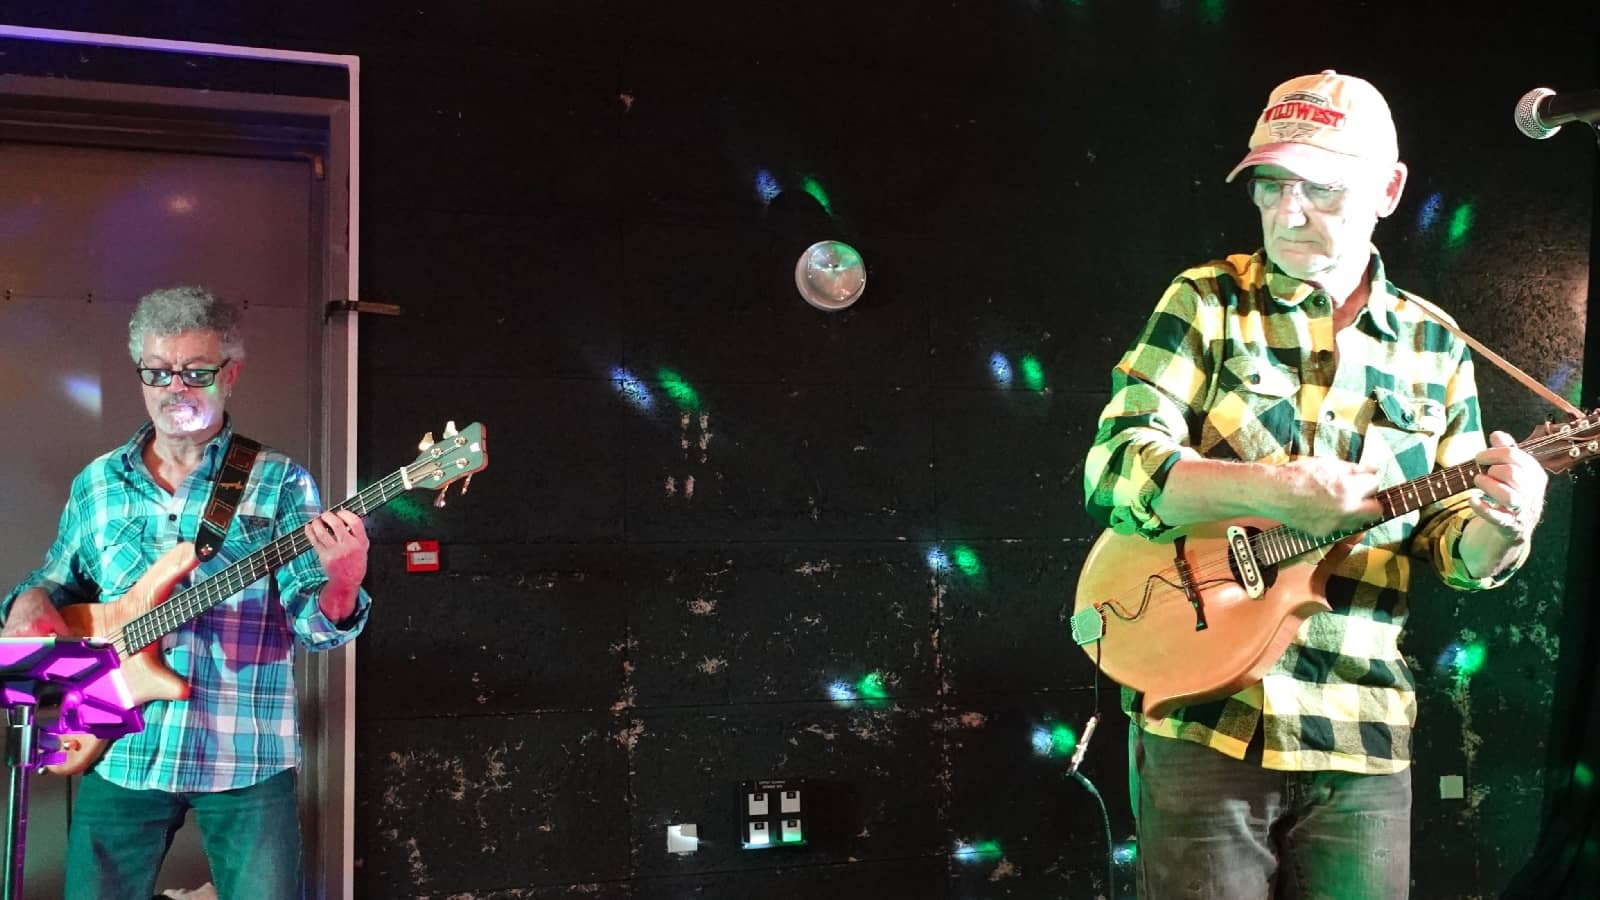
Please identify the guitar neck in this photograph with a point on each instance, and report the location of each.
(1278, 544)
(188, 604)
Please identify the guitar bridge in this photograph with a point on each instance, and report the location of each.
(1190, 592)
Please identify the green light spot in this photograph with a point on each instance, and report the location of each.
(409, 509)
(679, 390)
(1032, 373)
(1063, 740)
(1470, 659)
(1460, 224)
(814, 188)
(1582, 775)
(871, 688)
(1211, 11)
(987, 848)
(791, 838)
(966, 559)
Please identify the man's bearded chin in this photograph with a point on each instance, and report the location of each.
(182, 416)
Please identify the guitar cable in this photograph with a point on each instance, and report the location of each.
(1073, 773)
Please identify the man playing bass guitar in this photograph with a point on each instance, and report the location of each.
(225, 743)
(1293, 385)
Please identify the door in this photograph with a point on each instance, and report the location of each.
(89, 223)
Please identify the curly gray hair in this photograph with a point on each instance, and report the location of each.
(175, 310)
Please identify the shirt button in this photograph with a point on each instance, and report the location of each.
(172, 517)
(1319, 300)
(1324, 356)
(1329, 416)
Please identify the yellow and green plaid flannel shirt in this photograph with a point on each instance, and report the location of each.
(1238, 362)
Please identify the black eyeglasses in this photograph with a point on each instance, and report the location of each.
(195, 378)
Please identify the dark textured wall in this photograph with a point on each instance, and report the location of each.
(566, 196)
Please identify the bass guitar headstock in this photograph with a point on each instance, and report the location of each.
(458, 454)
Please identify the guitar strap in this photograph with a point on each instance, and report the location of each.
(237, 461)
(1527, 380)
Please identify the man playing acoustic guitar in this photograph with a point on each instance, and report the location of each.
(229, 749)
(1294, 385)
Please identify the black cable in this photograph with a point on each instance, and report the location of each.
(1105, 817)
(1072, 772)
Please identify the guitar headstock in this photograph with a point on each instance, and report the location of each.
(456, 455)
(1558, 446)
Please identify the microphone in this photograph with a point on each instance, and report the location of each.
(1541, 112)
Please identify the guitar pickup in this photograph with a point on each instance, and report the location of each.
(1244, 562)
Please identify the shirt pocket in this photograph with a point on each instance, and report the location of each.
(1257, 376)
(1254, 416)
(124, 554)
(247, 533)
(1402, 437)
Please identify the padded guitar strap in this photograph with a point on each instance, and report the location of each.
(237, 461)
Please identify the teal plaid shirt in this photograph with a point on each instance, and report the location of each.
(239, 725)
(1236, 363)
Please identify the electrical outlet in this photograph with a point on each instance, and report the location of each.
(772, 813)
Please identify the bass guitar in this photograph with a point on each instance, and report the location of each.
(134, 623)
(1205, 611)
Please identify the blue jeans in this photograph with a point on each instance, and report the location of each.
(118, 838)
(1214, 828)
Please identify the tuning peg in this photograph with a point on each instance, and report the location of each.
(427, 441)
(450, 429)
(438, 501)
(466, 485)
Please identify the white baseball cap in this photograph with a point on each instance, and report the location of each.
(1321, 126)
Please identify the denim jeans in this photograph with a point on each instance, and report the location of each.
(1215, 828)
(118, 838)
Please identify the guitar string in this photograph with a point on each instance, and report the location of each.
(1217, 569)
(203, 596)
(1294, 542)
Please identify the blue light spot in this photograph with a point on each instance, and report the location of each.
(632, 388)
(84, 391)
(1430, 212)
(1000, 367)
(841, 691)
(1562, 377)
(937, 560)
(767, 187)
(1042, 742)
(1447, 657)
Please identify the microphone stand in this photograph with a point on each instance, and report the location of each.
(25, 751)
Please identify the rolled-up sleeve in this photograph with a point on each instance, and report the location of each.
(301, 580)
(1156, 389)
(1438, 535)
